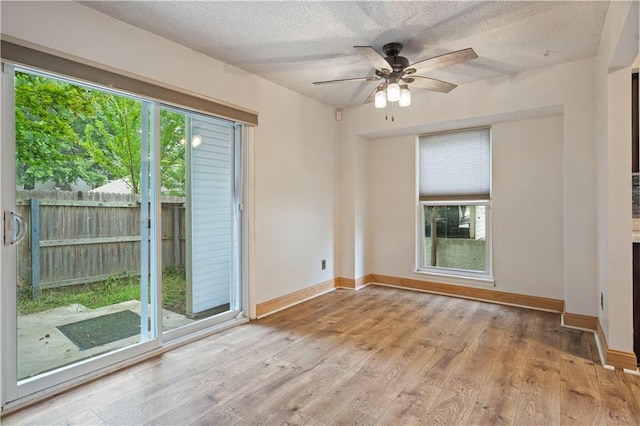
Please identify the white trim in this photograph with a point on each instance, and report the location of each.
(155, 252)
(145, 107)
(250, 222)
(69, 372)
(463, 278)
(169, 336)
(601, 353)
(8, 315)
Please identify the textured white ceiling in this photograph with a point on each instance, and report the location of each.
(294, 43)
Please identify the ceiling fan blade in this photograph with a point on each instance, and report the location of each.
(442, 61)
(348, 79)
(430, 84)
(374, 58)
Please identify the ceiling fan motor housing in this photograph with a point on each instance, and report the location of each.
(398, 63)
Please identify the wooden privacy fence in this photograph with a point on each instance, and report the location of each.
(84, 237)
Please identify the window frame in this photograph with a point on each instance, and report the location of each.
(454, 275)
(485, 276)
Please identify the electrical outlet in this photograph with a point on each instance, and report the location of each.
(324, 264)
(602, 301)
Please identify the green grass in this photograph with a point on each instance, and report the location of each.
(109, 292)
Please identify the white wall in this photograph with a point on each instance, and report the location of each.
(528, 211)
(391, 190)
(566, 89)
(294, 155)
(618, 49)
(528, 206)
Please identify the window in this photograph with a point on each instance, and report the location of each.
(454, 203)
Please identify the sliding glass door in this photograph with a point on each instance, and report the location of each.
(201, 211)
(122, 227)
(76, 252)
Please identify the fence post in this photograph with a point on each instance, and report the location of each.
(176, 236)
(35, 246)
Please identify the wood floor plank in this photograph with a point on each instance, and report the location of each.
(243, 404)
(194, 408)
(454, 404)
(616, 407)
(498, 399)
(374, 398)
(579, 394)
(546, 337)
(458, 397)
(416, 398)
(293, 398)
(353, 417)
(217, 416)
(539, 401)
(376, 356)
(82, 418)
(57, 408)
(631, 386)
(303, 419)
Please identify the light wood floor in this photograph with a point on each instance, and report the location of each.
(376, 356)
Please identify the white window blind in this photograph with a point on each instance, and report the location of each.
(455, 165)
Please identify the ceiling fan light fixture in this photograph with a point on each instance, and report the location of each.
(380, 100)
(397, 73)
(405, 96)
(393, 92)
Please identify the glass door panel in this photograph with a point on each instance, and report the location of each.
(200, 219)
(81, 186)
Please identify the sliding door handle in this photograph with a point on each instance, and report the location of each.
(15, 228)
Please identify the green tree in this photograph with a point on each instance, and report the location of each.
(113, 139)
(47, 144)
(66, 132)
(172, 136)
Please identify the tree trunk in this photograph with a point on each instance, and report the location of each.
(434, 238)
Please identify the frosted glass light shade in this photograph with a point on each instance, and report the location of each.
(405, 96)
(393, 92)
(380, 99)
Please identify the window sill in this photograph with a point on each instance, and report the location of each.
(456, 279)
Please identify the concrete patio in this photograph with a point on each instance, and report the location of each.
(42, 347)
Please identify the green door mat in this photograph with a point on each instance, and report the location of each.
(89, 333)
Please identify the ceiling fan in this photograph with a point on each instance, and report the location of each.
(397, 75)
